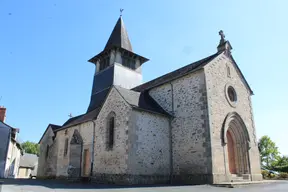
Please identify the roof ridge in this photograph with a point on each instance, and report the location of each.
(154, 83)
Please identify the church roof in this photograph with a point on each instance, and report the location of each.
(82, 118)
(119, 37)
(141, 100)
(175, 74)
(53, 127)
(138, 100)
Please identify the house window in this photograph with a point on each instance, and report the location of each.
(66, 147)
(111, 128)
(47, 152)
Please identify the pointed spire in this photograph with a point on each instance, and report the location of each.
(119, 37)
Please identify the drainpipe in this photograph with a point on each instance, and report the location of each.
(93, 149)
(170, 134)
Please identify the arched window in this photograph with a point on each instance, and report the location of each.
(47, 152)
(66, 147)
(228, 71)
(110, 130)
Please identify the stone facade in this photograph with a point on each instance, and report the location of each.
(185, 98)
(220, 73)
(105, 161)
(149, 147)
(112, 162)
(48, 155)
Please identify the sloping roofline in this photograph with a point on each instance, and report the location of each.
(52, 125)
(186, 70)
(175, 74)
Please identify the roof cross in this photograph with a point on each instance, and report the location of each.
(221, 33)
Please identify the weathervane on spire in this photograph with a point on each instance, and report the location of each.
(121, 11)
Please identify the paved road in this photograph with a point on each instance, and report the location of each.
(56, 186)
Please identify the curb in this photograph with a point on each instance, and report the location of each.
(243, 184)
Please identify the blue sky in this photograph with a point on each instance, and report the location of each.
(45, 45)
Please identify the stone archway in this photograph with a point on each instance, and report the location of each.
(75, 157)
(236, 140)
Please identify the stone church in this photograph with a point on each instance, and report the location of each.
(191, 126)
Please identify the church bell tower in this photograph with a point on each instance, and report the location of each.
(117, 64)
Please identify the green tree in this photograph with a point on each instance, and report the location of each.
(268, 151)
(281, 161)
(30, 147)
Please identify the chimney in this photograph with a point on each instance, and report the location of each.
(2, 113)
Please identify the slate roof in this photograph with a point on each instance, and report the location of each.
(98, 98)
(119, 37)
(141, 100)
(82, 118)
(92, 112)
(175, 74)
(53, 127)
(28, 160)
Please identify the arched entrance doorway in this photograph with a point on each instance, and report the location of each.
(75, 156)
(236, 141)
(231, 153)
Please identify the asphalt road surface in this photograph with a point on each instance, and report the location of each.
(21, 185)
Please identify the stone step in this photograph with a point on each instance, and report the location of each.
(242, 178)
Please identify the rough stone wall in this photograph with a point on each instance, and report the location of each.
(106, 162)
(47, 166)
(113, 161)
(190, 128)
(149, 144)
(216, 79)
(63, 161)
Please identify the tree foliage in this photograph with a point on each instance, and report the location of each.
(282, 161)
(30, 147)
(268, 152)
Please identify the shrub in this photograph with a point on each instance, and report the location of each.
(265, 174)
(271, 175)
(283, 175)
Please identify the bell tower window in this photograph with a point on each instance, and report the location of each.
(104, 63)
(128, 62)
